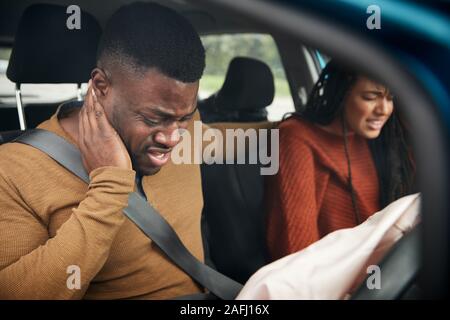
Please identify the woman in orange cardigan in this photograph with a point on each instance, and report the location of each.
(341, 160)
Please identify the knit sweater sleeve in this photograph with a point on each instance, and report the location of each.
(35, 266)
(292, 204)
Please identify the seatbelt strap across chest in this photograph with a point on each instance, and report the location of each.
(141, 213)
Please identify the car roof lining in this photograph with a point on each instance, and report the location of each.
(206, 19)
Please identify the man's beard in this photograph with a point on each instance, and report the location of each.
(140, 169)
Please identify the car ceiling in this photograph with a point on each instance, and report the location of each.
(206, 19)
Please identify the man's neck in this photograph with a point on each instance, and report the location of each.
(69, 123)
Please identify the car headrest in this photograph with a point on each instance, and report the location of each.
(248, 84)
(46, 51)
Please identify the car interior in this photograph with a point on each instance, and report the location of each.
(233, 215)
(247, 90)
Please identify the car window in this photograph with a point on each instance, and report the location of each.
(221, 49)
(31, 93)
(6, 86)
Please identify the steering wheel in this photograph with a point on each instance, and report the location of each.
(399, 272)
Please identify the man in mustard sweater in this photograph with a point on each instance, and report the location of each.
(150, 60)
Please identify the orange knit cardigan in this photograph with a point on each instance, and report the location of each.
(310, 196)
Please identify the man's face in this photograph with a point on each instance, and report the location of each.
(147, 111)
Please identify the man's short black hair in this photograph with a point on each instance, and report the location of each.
(141, 36)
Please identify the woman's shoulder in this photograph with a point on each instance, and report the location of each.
(297, 128)
(300, 136)
(293, 122)
(296, 137)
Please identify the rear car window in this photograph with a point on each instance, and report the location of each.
(32, 93)
(221, 49)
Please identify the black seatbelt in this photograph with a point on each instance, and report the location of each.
(141, 213)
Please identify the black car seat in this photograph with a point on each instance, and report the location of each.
(246, 92)
(234, 213)
(46, 51)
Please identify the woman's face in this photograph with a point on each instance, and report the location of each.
(368, 106)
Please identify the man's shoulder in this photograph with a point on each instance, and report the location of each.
(15, 150)
(19, 158)
(16, 156)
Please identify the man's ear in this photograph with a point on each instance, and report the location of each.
(100, 82)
